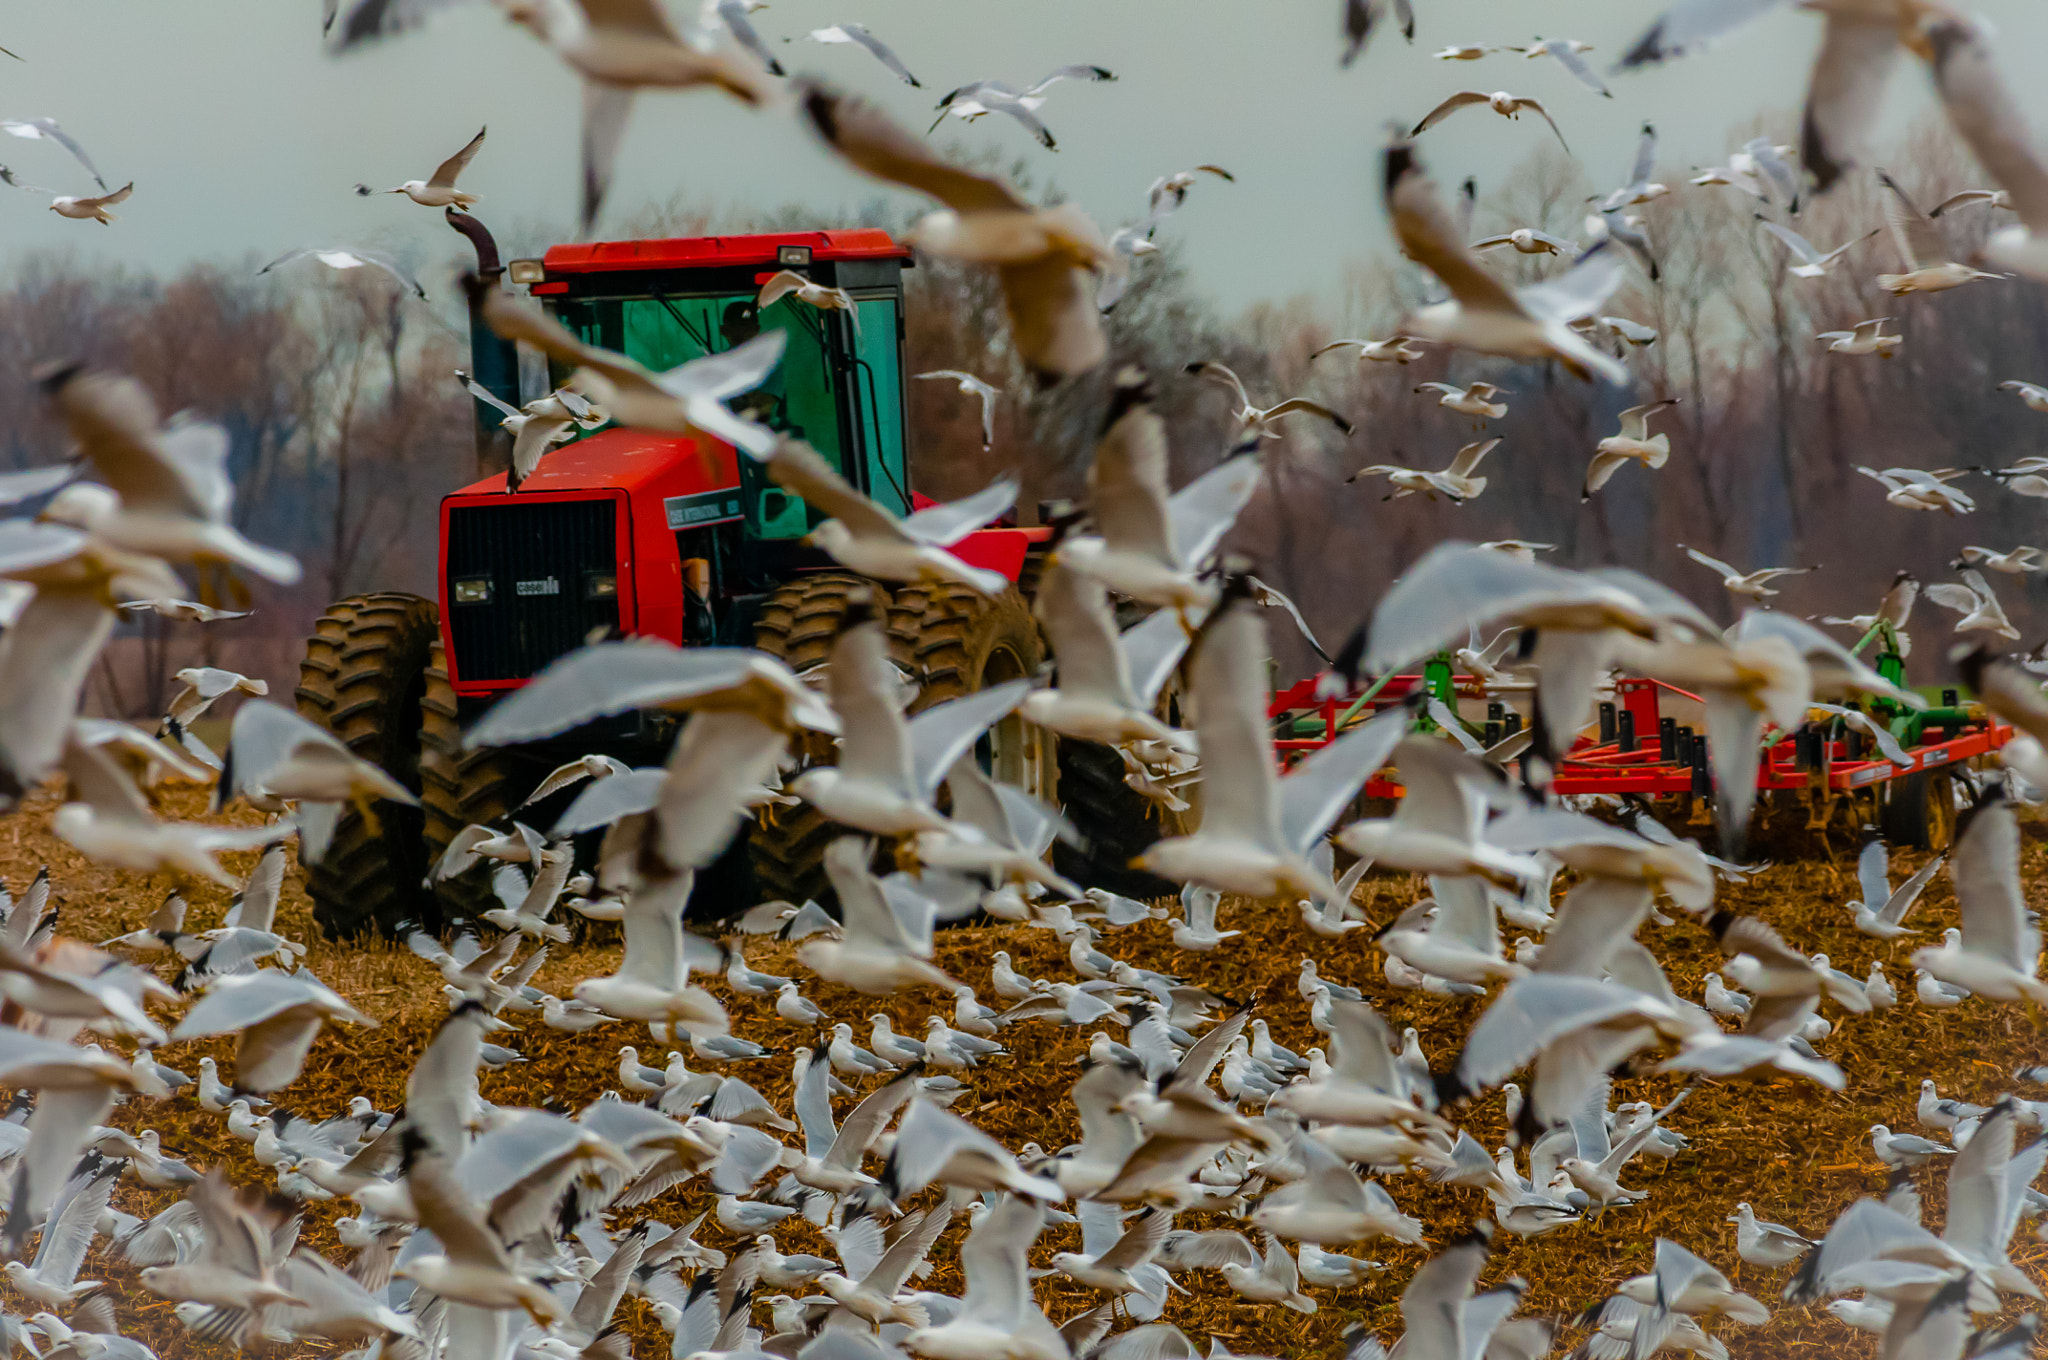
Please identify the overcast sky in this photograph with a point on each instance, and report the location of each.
(243, 136)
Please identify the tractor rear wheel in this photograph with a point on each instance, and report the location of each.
(458, 787)
(797, 624)
(363, 679)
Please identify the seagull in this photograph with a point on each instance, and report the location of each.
(1999, 951)
(1456, 482)
(1045, 258)
(890, 768)
(1569, 54)
(1975, 601)
(1500, 101)
(1395, 349)
(1882, 911)
(1640, 188)
(858, 35)
(1868, 337)
(1467, 51)
(886, 944)
(349, 257)
(1477, 400)
(1812, 263)
(84, 209)
(997, 1313)
(1256, 830)
(982, 97)
(972, 386)
(438, 191)
(2034, 395)
(1259, 420)
(535, 427)
(1633, 441)
(2016, 562)
(1755, 584)
(170, 492)
(1916, 489)
(1150, 545)
(1529, 241)
(276, 1017)
(1928, 269)
(1169, 192)
(1277, 1280)
(274, 755)
(51, 1279)
(686, 399)
(1481, 313)
(789, 283)
(1905, 1149)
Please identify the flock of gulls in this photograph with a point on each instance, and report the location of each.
(481, 1232)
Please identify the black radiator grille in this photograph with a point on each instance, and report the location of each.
(540, 558)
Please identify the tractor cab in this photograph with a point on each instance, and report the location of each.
(839, 386)
(678, 536)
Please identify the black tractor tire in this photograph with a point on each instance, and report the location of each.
(458, 787)
(363, 679)
(796, 625)
(1920, 810)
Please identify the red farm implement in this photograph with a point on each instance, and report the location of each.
(1650, 743)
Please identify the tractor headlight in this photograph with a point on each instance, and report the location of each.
(600, 585)
(473, 590)
(799, 256)
(527, 272)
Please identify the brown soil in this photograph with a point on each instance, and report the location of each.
(1797, 1153)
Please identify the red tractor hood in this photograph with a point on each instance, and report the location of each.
(630, 461)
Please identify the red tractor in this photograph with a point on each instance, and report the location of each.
(629, 533)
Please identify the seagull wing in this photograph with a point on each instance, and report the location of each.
(1985, 870)
(1902, 901)
(1429, 237)
(46, 129)
(994, 1257)
(1580, 291)
(866, 913)
(1201, 513)
(1433, 1305)
(865, 1123)
(867, 137)
(1797, 244)
(1710, 563)
(1982, 111)
(1316, 791)
(446, 171)
(1528, 103)
(1915, 236)
(1692, 26)
(882, 53)
(1222, 375)
(802, 469)
(733, 14)
(1462, 99)
(1074, 611)
(1467, 458)
(1576, 64)
(1077, 72)
(1313, 408)
(1127, 495)
(477, 390)
(1846, 92)
(946, 524)
(1229, 681)
(944, 732)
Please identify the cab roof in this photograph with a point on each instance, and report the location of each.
(692, 252)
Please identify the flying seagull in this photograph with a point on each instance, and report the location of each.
(439, 190)
(348, 257)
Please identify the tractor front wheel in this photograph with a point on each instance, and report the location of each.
(363, 679)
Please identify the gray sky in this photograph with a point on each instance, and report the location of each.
(243, 136)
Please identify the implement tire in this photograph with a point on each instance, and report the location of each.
(363, 679)
(458, 787)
